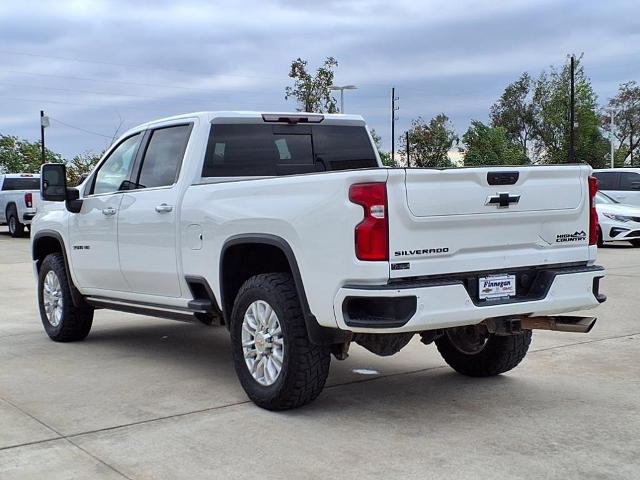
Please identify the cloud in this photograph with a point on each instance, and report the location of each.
(92, 63)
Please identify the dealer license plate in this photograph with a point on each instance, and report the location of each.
(496, 286)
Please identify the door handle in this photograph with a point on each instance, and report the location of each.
(164, 208)
(108, 211)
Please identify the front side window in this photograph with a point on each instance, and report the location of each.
(606, 180)
(163, 157)
(117, 167)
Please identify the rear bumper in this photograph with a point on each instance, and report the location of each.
(443, 303)
(28, 216)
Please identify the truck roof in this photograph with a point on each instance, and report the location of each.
(209, 116)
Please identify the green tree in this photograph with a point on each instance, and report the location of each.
(80, 166)
(514, 111)
(312, 92)
(626, 105)
(387, 161)
(491, 146)
(551, 100)
(22, 156)
(429, 143)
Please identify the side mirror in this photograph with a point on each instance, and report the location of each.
(53, 182)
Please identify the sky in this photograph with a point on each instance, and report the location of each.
(97, 67)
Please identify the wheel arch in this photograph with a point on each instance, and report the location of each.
(46, 242)
(245, 255)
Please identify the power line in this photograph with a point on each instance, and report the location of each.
(123, 82)
(73, 90)
(139, 67)
(80, 128)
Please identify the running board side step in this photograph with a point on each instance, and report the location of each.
(148, 309)
(559, 323)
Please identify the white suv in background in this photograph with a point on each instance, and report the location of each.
(621, 184)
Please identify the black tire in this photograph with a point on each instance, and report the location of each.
(600, 240)
(499, 354)
(635, 243)
(16, 229)
(305, 366)
(75, 322)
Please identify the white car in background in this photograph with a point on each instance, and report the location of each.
(618, 222)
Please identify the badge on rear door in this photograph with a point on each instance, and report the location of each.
(496, 286)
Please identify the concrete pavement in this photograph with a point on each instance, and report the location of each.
(144, 399)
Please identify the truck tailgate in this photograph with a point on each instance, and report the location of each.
(485, 219)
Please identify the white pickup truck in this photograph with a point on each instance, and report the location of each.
(286, 229)
(19, 193)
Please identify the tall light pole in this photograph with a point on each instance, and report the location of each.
(572, 113)
(612, 112)
(342, 89)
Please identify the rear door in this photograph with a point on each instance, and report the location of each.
(477, 219)
(147, 221)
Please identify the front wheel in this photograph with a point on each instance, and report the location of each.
(62, 320)
(16, 229)
(472, 351)
(278, 366)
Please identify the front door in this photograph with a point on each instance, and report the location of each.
(148, 218)
(93, 232)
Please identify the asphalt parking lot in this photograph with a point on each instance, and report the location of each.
(144, 398)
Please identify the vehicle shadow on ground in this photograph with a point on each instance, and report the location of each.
(205, 352)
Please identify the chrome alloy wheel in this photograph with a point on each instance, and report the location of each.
(52, 298)
(262, 343)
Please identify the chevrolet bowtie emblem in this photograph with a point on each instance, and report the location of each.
(502, 200)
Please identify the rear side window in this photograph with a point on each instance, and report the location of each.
(21, 183)
(163, 157)
(237, 150)
(606, 180)
(629, 181)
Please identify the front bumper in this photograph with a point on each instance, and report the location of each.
(428, 304)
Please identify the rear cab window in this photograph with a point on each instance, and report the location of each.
(238, 150)
(21, 183)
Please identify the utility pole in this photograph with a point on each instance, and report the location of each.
(44, 122)
(572, 132)
(394, 109)
(408, 148)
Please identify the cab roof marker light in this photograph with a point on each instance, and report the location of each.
(292, 119)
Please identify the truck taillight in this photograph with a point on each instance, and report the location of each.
(28, 200)
(372, 234)
(593, 214)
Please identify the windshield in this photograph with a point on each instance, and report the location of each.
(603, 198)
(21, 183)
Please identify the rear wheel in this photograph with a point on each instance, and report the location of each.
(636, 242)
(278, 366)
(16, 229)
(473, 351)
(62, 320)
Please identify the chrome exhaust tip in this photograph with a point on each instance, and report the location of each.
(559, 323)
